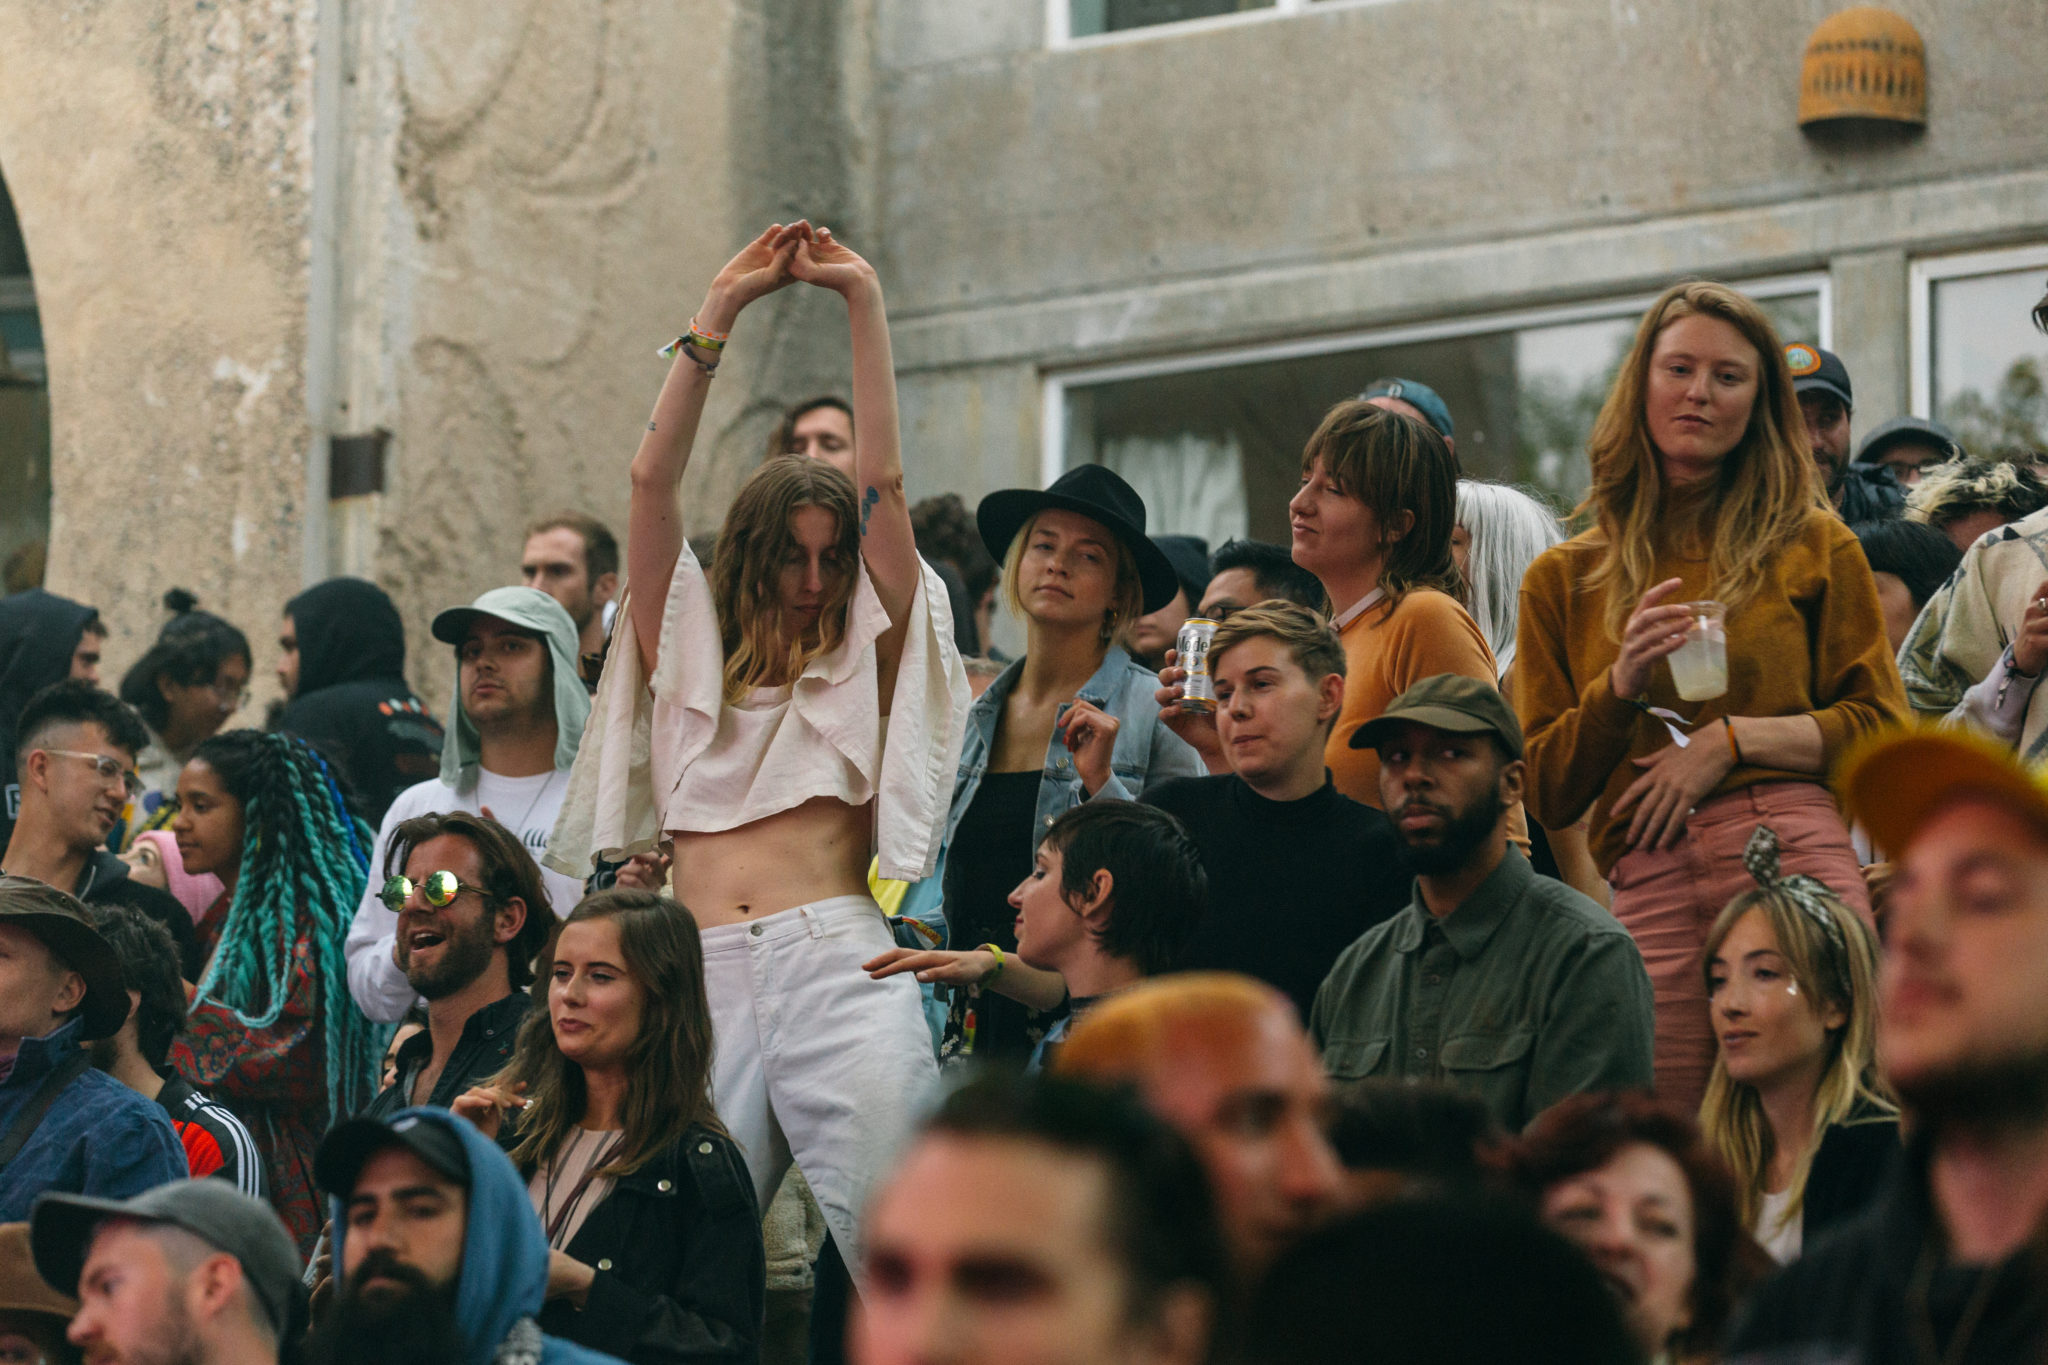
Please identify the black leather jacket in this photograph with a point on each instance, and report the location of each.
(681, 1273)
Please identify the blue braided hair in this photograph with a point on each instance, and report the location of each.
(305, 863)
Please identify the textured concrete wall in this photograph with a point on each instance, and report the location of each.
(1361, 165)
(157, 152)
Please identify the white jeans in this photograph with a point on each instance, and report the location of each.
(811, 1060)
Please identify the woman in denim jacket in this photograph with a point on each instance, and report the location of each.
(1073, 720)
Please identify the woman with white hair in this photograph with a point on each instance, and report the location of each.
(1499, 532)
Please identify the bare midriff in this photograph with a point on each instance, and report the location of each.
(810, 853)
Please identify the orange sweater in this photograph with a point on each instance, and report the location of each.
(1386, 653)
(1811, 642)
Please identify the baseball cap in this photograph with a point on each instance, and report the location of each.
(528, 608)
(1451, 702)
(1901, 430)
(348, 1145)
(1417, 395)
(1897, 783)
(61, 1229)
(1818, 371)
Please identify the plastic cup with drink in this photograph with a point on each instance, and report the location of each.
(1699, 667)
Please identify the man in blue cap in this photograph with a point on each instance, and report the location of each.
(514, 723)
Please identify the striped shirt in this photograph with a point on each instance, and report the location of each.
(215, 1141)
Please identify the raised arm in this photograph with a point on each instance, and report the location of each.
(655, 524)
(885, 539)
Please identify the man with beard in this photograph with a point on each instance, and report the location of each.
(441, 1259)
(190, 1273)
(1946, 1264)
(1503, 983)
(1859, 492)
(517, 717)
(472, 913)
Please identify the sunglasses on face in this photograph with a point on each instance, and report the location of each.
(439, 889)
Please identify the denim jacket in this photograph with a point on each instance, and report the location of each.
(1146, 752)
(99, 1138)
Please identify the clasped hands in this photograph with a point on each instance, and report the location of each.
(785, 252)
(1675, 778)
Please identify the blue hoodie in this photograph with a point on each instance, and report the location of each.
(504, 1254)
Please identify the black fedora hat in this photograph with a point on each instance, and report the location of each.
(65, 926)
(1094, 492)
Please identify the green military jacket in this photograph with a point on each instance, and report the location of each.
(1526, 993)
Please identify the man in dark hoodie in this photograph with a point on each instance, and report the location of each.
(75, 748)
(44, 639)
(344, 671)
(438, 1256)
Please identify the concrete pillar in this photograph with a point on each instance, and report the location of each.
(1869, 330)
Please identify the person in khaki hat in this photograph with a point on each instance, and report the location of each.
(33, 1316)
(1503, 983)
(1949, 1257)
(63, 1125)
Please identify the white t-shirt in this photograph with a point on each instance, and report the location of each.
(1780, 1236)
(525, 805)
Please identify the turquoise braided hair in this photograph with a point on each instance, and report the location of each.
(305, 864)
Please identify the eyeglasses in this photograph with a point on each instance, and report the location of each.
(107, 766)
(439, 889)
(231, 698)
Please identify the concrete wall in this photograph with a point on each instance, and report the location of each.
(1357, 165)
(157, 153)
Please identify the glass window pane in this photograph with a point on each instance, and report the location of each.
(1218, 452)
(1112, 16)
(1989, 361)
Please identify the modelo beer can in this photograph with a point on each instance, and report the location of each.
(1197, 690)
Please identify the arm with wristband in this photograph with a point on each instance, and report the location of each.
(988, 967)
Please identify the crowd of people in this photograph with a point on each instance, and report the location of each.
(1614, 937)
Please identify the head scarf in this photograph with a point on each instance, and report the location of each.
(1811, 896)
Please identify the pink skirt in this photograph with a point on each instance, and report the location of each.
(1669, 898)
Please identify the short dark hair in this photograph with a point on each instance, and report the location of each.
(1427, 1131)
(72, 702)
(600, 546)
(188, 651)
(1161, 1221)
(785, 430)
(1582, 1133)
(1161, 890)
(1918, 555)
(149, 965)
(507, 871)
(1272, 568)
(1427, 1280)
(945, 530)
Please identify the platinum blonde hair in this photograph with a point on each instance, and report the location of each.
(1508, 530)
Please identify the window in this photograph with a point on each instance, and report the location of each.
(1213, 443)
(1069, 20)
(1979, 363)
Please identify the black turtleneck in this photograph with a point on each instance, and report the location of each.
(1291, 883)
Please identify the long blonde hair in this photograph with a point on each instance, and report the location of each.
(1834, 964)
(760, 649)
(1767, 484)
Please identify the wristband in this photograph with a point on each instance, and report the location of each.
(1000, 964)
(1729, 724)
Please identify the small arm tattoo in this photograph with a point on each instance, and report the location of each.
(867, 507)
(650, 426)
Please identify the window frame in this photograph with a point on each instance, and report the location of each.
(1055, 383)
(1060, 35)
(1922, 275)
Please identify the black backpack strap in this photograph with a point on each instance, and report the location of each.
(31, 1114)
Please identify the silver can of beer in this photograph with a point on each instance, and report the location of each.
(1197, 690)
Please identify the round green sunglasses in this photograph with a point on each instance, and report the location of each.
(437, 890)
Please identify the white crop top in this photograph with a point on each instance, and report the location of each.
(668, 754)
